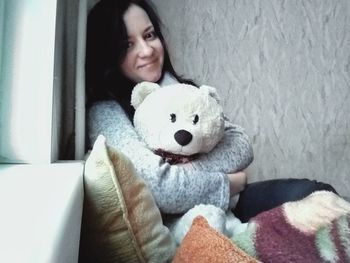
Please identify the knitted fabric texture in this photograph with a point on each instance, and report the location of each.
(315, 229)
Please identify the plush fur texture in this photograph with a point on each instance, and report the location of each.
(179, 122)
(204, 244)
(312, 230)
(180, 119)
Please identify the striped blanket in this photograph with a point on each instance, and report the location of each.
(315, 229)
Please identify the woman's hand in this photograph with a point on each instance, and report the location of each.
(237, 182)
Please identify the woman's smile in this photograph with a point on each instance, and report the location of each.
(148, 64)
(145, 54)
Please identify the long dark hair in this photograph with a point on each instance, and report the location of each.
(106, 48)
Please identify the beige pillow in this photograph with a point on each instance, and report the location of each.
(121, 222)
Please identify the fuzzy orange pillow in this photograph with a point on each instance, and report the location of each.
(204, 244)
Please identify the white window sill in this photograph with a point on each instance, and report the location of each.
(41, 209)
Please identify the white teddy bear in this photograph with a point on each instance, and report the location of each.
(179, 119)
(178, 122)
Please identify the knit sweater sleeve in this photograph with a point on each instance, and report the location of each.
(232, 154)
(176, 188)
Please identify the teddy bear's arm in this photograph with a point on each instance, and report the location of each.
(232, 154)
(175, 188)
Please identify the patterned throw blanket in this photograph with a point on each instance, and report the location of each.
(315, 229)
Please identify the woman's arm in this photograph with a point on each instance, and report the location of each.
(174, 187)
(232, 154)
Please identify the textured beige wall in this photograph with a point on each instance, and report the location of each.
(282, 69)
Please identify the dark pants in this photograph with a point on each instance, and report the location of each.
(262, 196)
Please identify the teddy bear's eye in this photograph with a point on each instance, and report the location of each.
(173, 117)
(195, 119)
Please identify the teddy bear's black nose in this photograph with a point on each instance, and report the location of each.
(183, 137)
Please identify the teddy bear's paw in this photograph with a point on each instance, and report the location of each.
(233, 225)
(215, 216)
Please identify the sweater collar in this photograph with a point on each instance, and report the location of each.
(168, 79)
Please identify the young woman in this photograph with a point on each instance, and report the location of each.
(125, 46)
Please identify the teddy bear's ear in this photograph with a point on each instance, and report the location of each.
(211, 91)
(141, 91)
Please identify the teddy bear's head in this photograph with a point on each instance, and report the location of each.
(179, 118)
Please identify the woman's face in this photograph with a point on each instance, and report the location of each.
(145, 54)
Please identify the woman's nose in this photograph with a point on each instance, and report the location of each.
(145, 49)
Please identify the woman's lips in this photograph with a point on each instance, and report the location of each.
(147, 65)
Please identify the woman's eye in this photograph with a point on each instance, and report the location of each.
(151, 35)
(130, 44)
(195, 119)
(173, 117)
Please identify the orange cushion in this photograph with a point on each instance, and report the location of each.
(204, 244)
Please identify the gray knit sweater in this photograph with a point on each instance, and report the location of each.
(176, 188)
